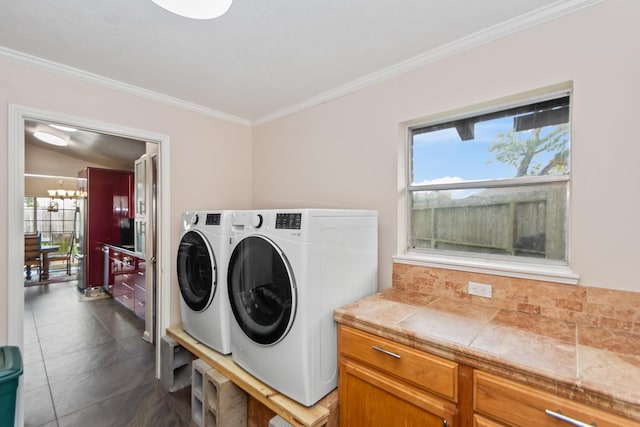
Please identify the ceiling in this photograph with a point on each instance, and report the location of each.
(108, 151)
(262, 59)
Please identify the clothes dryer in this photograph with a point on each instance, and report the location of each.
(203, 256)
(288, 271)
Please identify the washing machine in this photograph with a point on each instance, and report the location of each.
(203, 256)
(288, 271)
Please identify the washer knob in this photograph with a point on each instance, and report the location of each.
(256, 221)
(195, 219)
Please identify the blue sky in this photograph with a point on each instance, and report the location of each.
(441, 154)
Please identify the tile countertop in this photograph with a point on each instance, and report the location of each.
(581, 363)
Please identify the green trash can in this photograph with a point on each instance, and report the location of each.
(10, 371)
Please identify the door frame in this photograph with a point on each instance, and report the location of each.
(15, 216)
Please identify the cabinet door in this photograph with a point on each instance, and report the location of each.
(369, 398)
(140, 235)
(141, 186)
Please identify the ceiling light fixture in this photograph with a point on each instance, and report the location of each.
(50, 138)
(195, 9)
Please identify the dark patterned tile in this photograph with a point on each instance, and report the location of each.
(80, 391)
(84, 360)
(74, 340)
(31, 352)
(38, 407)
(180, 401)
(135, 346)
(62, 328)
(34, 375)
(100, 371)
(121, 324)
(145, 405)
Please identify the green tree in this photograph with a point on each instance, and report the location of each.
(522, 150)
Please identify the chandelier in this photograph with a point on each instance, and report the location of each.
(62, 194)
(65, 194)
(196, 9)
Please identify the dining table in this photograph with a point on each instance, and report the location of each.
(45, 250)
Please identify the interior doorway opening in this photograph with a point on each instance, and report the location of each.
(19, 117)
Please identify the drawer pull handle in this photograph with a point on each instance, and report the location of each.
(387, 352)
(566, 419)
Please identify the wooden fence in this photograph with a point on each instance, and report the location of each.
(523, 221)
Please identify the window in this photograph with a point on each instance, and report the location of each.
(52, 218)
(493, 184)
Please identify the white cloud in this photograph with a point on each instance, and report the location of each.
(443, 180)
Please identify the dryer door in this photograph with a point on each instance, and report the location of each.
(197, 271)
(262, 290)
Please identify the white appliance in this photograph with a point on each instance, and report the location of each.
(288, 271)
(203, 256)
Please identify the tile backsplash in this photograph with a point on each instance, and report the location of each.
(586, 306)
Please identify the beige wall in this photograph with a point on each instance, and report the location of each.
(49, 164)
(210, 158)
(344, 153)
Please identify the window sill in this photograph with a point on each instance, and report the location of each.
(543, 272)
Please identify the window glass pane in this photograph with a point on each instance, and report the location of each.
(53, 219)
(29, 215)
(532, 140)
(527, 221)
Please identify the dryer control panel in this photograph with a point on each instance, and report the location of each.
(289, 221)
(213, 219)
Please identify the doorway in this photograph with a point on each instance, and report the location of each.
(18, 115)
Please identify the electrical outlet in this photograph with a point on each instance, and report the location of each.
(480, 289)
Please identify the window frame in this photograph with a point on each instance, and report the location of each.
(503, 265)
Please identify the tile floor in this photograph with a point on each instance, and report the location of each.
(85, 364)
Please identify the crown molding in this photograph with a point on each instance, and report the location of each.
(86, 76)
(528, 20)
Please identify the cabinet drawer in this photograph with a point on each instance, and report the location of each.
(521, 405)
(480, 421)
(139, 279)
(139, 308)
(127, 300)
(426, 371)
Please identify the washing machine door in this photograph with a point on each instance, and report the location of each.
(262, 290)
(197, 271)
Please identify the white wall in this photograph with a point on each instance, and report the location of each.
(344, 153)
(207, 154)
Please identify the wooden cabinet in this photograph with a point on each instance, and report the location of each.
(501, 402)
(382, 382)
(385, 383)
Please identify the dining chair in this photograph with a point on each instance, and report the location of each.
(67, 245)
(32, 256)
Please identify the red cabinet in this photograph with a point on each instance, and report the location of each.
(109, 202)
(127, 279)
